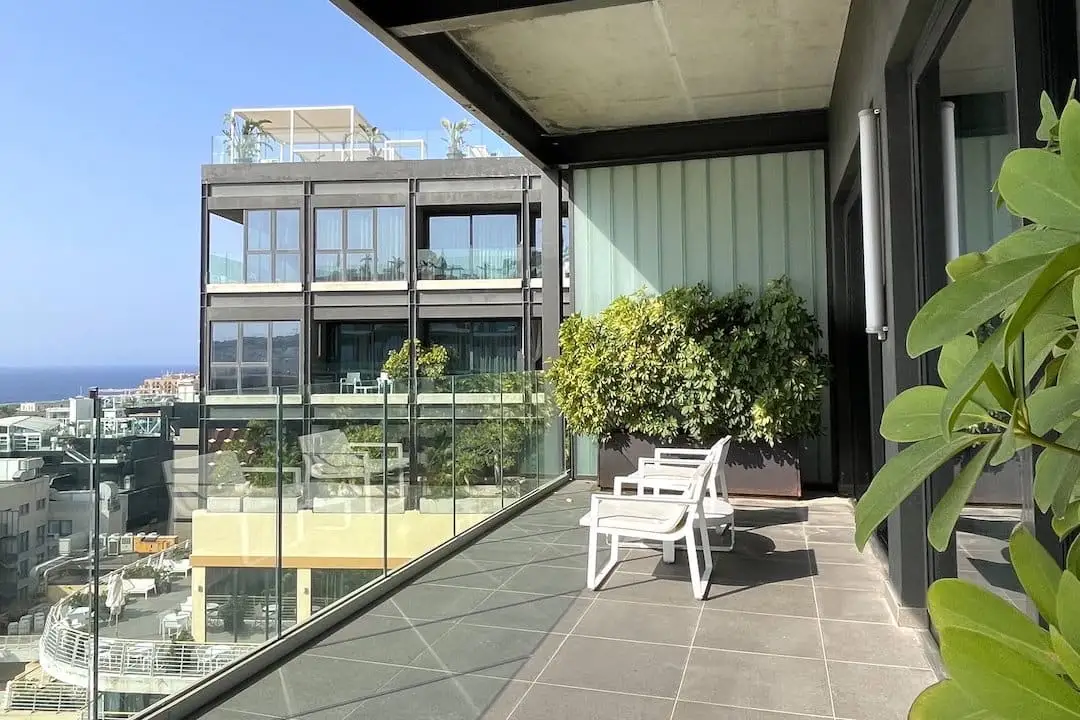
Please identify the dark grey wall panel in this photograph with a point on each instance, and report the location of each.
(365, 187)
(362, 313)
(368, 200)
(254, 313)
(269, 202)
(255, 190)
(468, 297)
(465, 312)
(469, 184)
(247, 300)
(359, 299)
(470, 197)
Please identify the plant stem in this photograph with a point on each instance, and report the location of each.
(1049, 444)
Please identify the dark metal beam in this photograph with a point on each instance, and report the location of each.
(441, 61)
(409, 19)
(750, 134)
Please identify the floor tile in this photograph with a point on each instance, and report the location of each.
(309, 684)
(562, 556)
(632, 621)
(872, 643)
(840, 553)
(546, 613)
(509, 551)
(792, 567)
(646, 589)
(500, 652)
(781, 533)
(750, 632)
(820, 534)
(382, 639)
(425, 695)
(701, 711)
(618, 666)
(545, 702)
(863, 605)
(848, 577)
(437, 602)
(774, 599)
(544, 580)
(466, 572)
(865, 691)
(766, 682)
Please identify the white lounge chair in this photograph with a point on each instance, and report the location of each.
(670, 470)
(140, 586)
(659, 518)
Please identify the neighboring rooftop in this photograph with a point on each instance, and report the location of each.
(341, 133)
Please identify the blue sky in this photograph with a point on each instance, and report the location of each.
(107, 110)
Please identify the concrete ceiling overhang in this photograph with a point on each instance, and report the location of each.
(551, 74)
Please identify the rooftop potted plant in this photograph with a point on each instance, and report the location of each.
(456, 144)
(245, 140)
(687, 367)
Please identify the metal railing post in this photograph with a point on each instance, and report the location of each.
(280, 548)
(95, 545)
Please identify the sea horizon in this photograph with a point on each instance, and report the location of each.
(51, 383)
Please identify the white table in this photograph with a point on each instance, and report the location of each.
(177, 621)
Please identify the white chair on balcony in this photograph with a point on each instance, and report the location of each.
(670, 470)
(665, 519)
(352, 382)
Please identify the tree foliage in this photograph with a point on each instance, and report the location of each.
(689, 364)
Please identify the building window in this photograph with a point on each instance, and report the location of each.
(24, 569)
(60, 527)
(24, 509)
(478, 246)
(42, 503)
(355, 347)
(24, 541)
(252, 357)
(482, 346)
(39, 536)
(360, 245)
(254, 246)
(40, 559)
(536, 250)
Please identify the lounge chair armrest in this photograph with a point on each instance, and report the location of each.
(597, 499)
(669, 462)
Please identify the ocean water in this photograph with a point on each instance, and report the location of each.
(58, 383)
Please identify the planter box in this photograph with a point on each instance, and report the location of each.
(752, 469)
(224, 503)
(270, 504)
(357, 505)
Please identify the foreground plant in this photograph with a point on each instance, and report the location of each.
(1006, 327)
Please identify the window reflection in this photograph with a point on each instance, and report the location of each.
(360, 244)
(268, 357)
(483, 346)
(479, 246)
(254, 246)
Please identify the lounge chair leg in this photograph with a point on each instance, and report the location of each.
(669, 551)
(692, 556)
(706, 551)
(596, 578)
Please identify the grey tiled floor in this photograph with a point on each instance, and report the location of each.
(795, 625)
(982, 552)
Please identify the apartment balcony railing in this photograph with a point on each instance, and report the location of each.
(430, 144)
(469, 264)
(36, 696)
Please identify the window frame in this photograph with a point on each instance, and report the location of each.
(342, 253)
(470, 212)
(239, 364)
(273, 253)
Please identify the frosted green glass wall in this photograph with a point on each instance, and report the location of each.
(725, 222)
(978, 160)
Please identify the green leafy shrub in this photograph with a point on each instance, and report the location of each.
(431, 361)
(1009, 364)
(256, 447)
(688, 364)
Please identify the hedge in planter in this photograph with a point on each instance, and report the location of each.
(688, 365)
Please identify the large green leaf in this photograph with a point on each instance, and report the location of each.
(915, 414)
(1067, 521)
(1069, 137)
(1056, 469)
(1060, 267)
(1067, 654)
(1037, 572)
(980, 369)
(1051, 406)
(1042, 335)
(1072, 558)
(1048, 126)
(1037, 185)
(1068, 609)
(1070, 369)
(957, 603)
(1030, 240)
(899, 477)
(965, 265)
(964, 305)
(954, 355)
(946, 701)
(1011, 684)
(948, 509)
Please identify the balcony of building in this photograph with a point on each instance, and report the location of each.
(343, 134)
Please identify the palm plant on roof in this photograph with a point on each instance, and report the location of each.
(245, 139)
(455, 137)
(374, 137)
